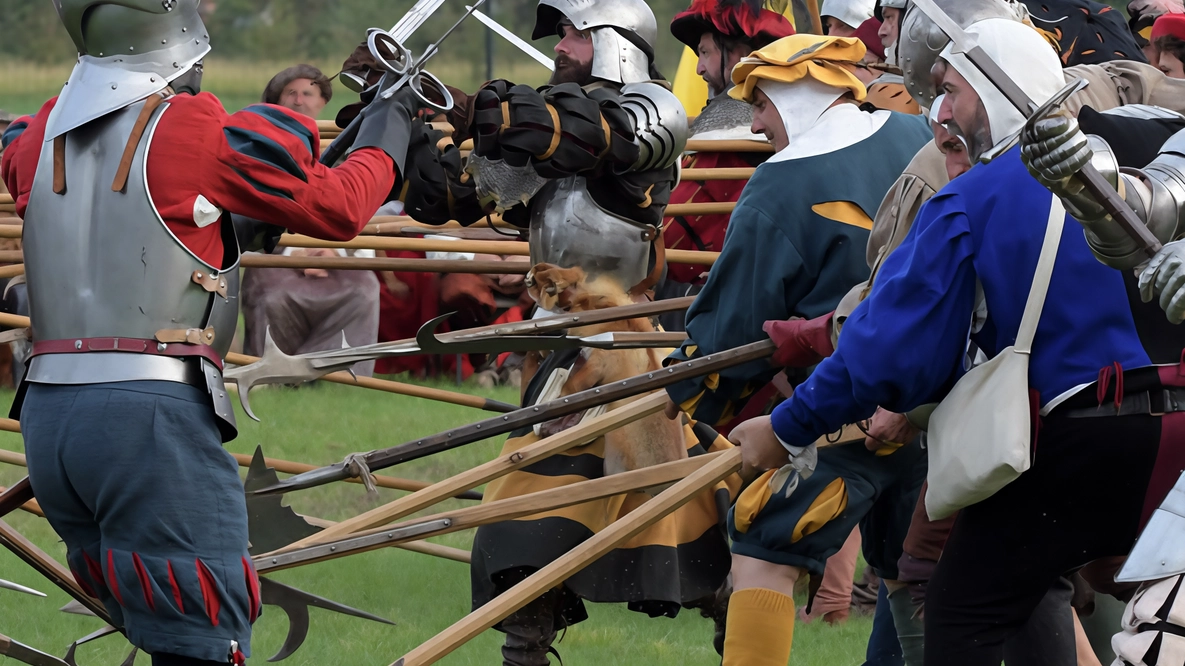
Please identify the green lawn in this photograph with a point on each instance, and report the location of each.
(422, 594)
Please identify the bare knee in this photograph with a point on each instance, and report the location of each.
(750, 572)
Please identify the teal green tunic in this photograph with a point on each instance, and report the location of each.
(795, 246)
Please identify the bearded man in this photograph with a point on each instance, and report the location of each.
(987, 228)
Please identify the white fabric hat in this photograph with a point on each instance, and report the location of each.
(851, 12)
(1024, 56)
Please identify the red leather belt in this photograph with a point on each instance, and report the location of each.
(127, 345)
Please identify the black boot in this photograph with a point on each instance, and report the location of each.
(530, 632)
(715, 608)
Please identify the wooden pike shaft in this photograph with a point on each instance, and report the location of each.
(288, 467)
(561, 569)
(50, 568)
(399, 388)
(428, 393)
(422, 547)
(513, 248)
(506, 509)
(409, 504)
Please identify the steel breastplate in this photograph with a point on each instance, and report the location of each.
(569, 229)
(102, 264)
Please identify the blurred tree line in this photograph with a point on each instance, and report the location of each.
(321, 30)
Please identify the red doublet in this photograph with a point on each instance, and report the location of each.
(260, 162)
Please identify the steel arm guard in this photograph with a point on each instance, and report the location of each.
(1156, 193)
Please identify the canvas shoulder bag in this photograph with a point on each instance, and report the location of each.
(980, 435)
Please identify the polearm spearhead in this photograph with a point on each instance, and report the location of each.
(1093, 181)
(276, 367)
(527, 416)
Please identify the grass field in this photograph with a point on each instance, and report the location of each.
(422, 594)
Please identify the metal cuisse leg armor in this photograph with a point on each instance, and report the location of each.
(1153, 626)
(1156, 193)
(569, 229)
(102, 264)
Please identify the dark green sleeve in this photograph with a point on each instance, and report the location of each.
(753, 281)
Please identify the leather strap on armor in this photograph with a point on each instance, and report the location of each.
(126, 345)
(129, 150)
(660, 263)
(59, 164)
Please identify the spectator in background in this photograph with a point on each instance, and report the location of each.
(302, 88)
(1168, 38)
(1143, 13)
(841, 18)
(309, 309)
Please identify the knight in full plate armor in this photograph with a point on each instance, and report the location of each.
(721, 32)
(126, 183)
(587, 163)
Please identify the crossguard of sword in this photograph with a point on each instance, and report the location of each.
(399, 65)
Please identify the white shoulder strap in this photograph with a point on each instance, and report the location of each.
(1032, 314)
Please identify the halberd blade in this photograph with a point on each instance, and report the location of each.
(295, 604)
(27, 655)
(270, 524)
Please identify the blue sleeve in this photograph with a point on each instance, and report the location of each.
(750, 283)
(904, 344)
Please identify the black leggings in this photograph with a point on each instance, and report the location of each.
(1083, 498)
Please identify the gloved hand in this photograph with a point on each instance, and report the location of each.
(1053, 151)
(1165, 275)
(801, 342)
(386, 125)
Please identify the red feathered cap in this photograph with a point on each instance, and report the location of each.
(731, 18)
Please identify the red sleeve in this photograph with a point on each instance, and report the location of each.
(270, 172)
(262, 163)
(22, 149)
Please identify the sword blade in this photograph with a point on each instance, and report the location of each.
(414, 18)
(514, 39)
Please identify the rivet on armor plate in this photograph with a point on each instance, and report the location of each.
(160, 346)
(131, 48)
(78, 344)
(184, 29)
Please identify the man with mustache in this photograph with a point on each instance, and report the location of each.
(1092, 352)
(587, 162)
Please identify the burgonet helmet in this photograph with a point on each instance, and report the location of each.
(921, 41)
(127, 50)
(624, 34)
(879, 12)
(756, 22)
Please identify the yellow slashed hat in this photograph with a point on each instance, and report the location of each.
(792, 58)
